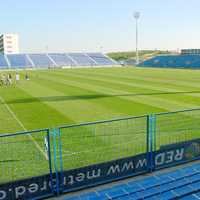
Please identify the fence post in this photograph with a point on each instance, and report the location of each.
(154, 134)
(150, 143)
(55, 160)
(151, 134)
(153, 125)
(50, 159)
(60, 160)
(148, 148)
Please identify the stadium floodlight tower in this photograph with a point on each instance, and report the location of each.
(137, 16)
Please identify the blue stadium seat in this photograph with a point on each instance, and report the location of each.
(173, 61)
(179, 184)
(41, 60)
(3, 62)
(197, 194)
(196, 185)
(193, 178)
(54, 60)
(149, 182)
(116, 193)
(190, 197)
(183, 190)
(82, 59)
(100, 59)
(61, 59)
(19, 61)
(165, 196)
(91, 195)
(74, 198)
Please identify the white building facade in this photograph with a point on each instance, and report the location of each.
(9, 44)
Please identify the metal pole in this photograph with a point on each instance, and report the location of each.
(136, 16)
(137, 54)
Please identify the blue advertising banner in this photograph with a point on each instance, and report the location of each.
(173, 154)
(168, 155)
(71, 180)
(27, 189)
(105, 172)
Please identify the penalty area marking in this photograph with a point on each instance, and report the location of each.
(23, 127)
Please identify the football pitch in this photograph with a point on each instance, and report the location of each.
(52, 98)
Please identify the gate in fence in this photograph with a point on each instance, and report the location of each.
(43, 163)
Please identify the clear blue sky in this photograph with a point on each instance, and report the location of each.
(86, 25)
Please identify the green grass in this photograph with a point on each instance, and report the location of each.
(144, 54)
(59, 97)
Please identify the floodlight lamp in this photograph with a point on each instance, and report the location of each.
(136, 15)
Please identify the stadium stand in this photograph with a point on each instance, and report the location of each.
(3, 62)
(175, 61)
(182, 183)
(82, 59)
(101, 59)
(22, 61)
(18, 61)
(62, 59)
(41, 60)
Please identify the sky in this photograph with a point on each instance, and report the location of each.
(101, 25)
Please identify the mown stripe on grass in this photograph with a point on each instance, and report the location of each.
(35, 114)
(23, 127)
(7, 123)
(98, 97)
(79, 106)
(153, 101)
(173, 87)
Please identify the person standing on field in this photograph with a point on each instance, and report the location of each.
(2, 79)
(9, 79)
(27, 77)
(17, 77)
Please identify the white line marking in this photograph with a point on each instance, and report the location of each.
(23, 127)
